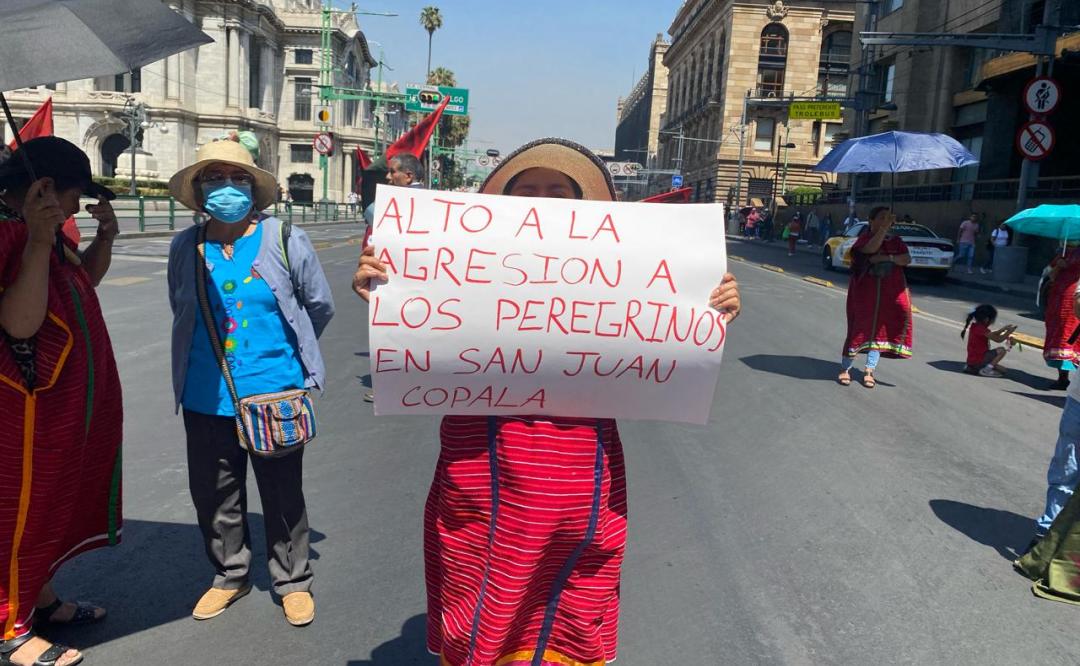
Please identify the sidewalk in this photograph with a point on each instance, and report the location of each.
(958, 276)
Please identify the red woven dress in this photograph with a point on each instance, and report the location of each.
(525, 529)
(59, 438)
(1060, 319)
(878, 306)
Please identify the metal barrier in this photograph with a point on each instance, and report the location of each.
(153, 213)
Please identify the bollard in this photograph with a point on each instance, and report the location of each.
(172, 214)
(142, 215)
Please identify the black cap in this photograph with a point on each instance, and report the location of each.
(54, 158)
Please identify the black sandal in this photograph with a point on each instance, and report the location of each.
(84, 614)
(47, 658)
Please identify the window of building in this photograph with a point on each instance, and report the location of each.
(302, 87)
(120, 81)
(889, 82)
(255, 74)
(890, 6)
(301, 152)
(765, 129)
(303, 56)
(1034, 17)
(834, 64)
(772, 61)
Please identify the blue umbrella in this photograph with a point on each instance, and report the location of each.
(1049, 221)
(892, 152)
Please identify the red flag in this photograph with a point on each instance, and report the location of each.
(416, 139)
(40, 124)
(363, 158)
(674, 196)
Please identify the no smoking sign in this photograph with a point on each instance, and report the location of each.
(1035, 140)
(323, 143)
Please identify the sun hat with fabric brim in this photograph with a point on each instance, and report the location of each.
(185, 189)
(572, 159)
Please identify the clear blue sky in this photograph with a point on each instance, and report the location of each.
(533, 69)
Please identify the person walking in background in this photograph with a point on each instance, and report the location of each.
(981, 359)
(850, 221)
(60, 469)
(766, 224)
(793, 232)
(813, 228)
(753, 219)
(826, 228)
(353, 202)
(878, 301)
(999, 237)
(965, 242)
(268, 302)
(1060, 319)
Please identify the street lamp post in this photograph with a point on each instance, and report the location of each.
(776, 176)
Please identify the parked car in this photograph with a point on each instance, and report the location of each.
(931, 254)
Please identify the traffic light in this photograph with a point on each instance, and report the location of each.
(323, 115)
(432, 97)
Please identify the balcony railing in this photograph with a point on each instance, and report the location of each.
(1066, 188)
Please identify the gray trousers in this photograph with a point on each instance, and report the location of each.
(217, 475)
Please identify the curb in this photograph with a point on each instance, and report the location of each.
(774, 269)
(995, 288)
(818, 281)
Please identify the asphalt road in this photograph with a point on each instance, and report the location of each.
(807, 523)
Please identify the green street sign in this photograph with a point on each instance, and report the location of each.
(427, 98)
(814, 111)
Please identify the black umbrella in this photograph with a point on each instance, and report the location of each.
(49, 41)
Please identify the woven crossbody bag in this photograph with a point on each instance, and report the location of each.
(267, 424)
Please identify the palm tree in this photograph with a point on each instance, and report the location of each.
(431, 19)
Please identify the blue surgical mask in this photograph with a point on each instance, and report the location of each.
(227, 201)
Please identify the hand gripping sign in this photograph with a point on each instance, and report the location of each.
(501, 305)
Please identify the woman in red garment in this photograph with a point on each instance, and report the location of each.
(878, 301)
(1061, 321)
(61, 431)
(525, 525)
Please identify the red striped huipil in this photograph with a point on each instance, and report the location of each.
(525, 529)
(59, 443)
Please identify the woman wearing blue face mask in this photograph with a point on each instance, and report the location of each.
(268, 301)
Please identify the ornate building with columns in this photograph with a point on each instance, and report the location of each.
(724, 50)
(260, 74)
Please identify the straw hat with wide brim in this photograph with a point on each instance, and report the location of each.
(183, 184)
(576, 161)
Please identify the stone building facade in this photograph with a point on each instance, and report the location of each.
(969, 93)
(638, 115)
(260, 74)
(724, 52)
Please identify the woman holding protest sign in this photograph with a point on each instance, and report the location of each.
(525, 524)
(878, 301)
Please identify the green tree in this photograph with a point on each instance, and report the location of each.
(431, 19)
(453, 130)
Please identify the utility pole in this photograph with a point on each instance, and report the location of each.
(787, 135)
(679, 151)
(1029, 170)
(742, 151)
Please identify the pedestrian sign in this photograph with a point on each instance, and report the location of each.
(1042, 95)
(814, 111)
(425, 99)
(323, 143)
(1035, 140)
(676, 181)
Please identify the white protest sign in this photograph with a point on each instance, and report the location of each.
(499, 305)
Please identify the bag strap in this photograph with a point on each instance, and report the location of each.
(211, 329)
